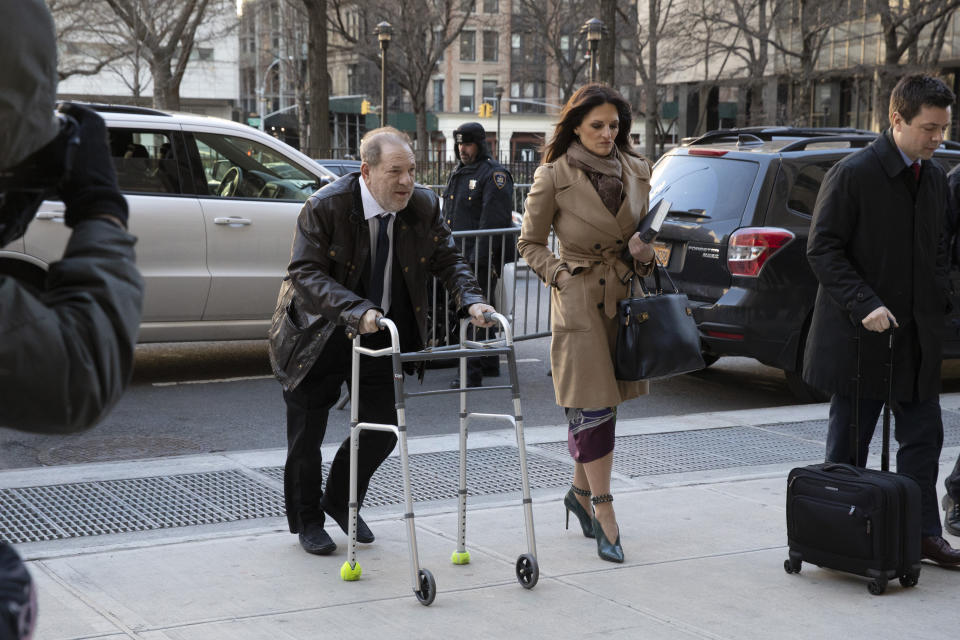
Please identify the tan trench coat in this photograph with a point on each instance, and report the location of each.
(583, 310)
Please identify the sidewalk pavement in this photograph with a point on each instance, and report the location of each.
(704, 559)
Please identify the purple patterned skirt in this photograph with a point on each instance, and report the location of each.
(590, 432)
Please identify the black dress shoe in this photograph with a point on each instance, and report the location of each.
(315, 540)
(939, 550)
(364, 534)
(951, 515)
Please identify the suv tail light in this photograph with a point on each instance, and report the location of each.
(749, 248)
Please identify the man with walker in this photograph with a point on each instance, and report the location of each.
(365, 248)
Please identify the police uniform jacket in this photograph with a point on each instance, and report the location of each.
(331, 248)
(480, 196)
(878, 238)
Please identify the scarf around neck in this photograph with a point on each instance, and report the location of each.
(604, 173)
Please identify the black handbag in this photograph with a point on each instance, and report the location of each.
(657, 336)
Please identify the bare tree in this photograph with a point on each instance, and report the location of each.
(554, 28)
(83, 22)
(653, 28)
(747, 33)
(318, 139)
(902, 26)
(422, 31)
(167, 32)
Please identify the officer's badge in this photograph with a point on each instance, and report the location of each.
(472, 185)
(499, 179)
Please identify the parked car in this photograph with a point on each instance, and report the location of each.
(339, 167)
(214, 204)
(735, 238)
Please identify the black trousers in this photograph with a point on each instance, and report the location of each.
(919, 432)
(308, 408)
(482, 365)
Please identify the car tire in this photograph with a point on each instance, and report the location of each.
(803, 391)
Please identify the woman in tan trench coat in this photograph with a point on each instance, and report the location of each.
(592, 191)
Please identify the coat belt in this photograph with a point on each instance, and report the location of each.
(612, 270)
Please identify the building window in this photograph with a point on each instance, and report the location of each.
(468, 90)
(489, 92)
(491, 46)
(468, 46)
(438, 95)
(491, 6)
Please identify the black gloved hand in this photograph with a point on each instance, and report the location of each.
(90, 187)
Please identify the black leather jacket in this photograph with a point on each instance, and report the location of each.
(330, 249)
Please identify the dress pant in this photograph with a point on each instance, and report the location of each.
(308, 407)
(482, 365)
(919, 432)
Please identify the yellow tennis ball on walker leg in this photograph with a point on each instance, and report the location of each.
(349, 573)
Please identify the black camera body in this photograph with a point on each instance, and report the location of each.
(25, 186)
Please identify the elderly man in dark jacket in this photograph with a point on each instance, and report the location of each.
(479, 195)
(878, 247)
(365, 246)
(66, 348)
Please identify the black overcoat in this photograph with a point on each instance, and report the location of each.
(878, 238)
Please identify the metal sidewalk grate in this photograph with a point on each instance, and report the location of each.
(53, 512)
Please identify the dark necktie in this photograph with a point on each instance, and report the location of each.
(380, 260)
(916, 170)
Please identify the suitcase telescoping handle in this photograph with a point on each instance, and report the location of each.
(855, 430)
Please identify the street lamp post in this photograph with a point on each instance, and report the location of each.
(384, 32)
(594, 30)
(263, 89)
(499, 92)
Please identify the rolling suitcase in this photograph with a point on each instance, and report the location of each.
(857, 520)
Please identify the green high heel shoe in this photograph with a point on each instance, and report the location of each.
(611, 552)
(572, 504)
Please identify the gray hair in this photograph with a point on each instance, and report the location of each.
(371, 146)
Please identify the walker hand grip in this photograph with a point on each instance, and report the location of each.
(488, 316)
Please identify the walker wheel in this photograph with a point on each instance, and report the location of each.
(428, 588)
(460, 558)
(348, 573)
(527, 571)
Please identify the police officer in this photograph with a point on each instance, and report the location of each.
(479, 195)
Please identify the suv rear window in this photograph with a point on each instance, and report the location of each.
(719, 187)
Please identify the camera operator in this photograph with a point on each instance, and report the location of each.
(66, 351)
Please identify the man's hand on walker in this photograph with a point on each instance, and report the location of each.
(879, 320)
(368, 322)
(476, 312)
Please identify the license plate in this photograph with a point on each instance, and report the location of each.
(663, 249)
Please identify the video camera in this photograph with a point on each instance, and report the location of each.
(25, 186)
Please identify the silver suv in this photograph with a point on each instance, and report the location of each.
(214, 204)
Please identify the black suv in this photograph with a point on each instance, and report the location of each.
(736, 236)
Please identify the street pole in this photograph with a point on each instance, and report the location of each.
(594, 30)
(263, 90)
(384, 32)
(499, 144)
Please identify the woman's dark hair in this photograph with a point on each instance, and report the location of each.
(578, 106)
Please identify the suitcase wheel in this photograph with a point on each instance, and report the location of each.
(877, 586)
(791, 566)
(910, 579)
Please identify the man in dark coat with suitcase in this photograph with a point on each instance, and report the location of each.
(878, 247)
(951, 501)
(479, 195)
